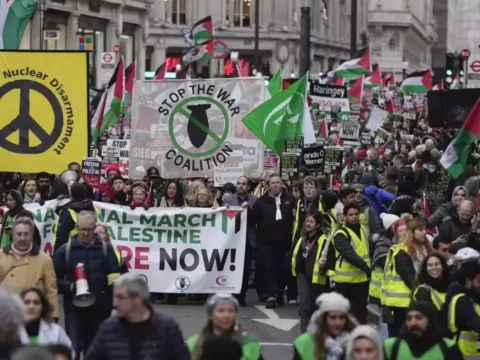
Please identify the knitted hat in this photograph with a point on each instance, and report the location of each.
(466, 254)
(426, 309)
(364, 331)
(361, 154)
(366, 179)
(141, 184)
(220, 299)
(114, 167)
(388, 220)
(332, 301)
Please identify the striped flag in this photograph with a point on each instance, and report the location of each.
(14, 18)
(417, 83)
(359, 65)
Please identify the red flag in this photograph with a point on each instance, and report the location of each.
(162, 70)
(324, 127)
(382, 150)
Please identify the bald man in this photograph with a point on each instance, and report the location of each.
(461, 228)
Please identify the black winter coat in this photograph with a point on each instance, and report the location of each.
(271, 231)
(163, 342)
(97, 266)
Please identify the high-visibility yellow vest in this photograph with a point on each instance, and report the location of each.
(467, 341)
(317, 277)
(344, 271)
(394, 291)
(74, 231)
(375, 288)
(403, 350)
(364, 221)
(260, 190)
(332, 215)
(438, 298)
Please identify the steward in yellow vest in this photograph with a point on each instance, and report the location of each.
(307, 267)
(463, 306)
(222, 310)
(352, 265)
(66, 223)
(421, 337)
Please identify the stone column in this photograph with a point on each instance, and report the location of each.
(158, 12)
(35, 31)
(158, 57)
(140, 51)
(72, 29)
(111, 35)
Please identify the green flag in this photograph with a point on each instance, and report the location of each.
(275, 85)
(281, 117)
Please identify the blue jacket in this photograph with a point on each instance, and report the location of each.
(97, 267)
(378, 199)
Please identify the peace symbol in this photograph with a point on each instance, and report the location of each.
(24, 122)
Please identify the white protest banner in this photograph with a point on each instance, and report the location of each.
(330, 96)
(202, 116)
(377, 117)
(189, 250)
(350, 129)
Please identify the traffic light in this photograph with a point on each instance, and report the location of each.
(449, 68)
(461, 64)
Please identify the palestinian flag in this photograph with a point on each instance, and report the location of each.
(374, 80)
(417, 83)
(97, 118)
(323, 131)
(199, 52)
(427, 213)
(384, 80)
(359, 65)
(455, 157)
(456, 84)
(392, 82)
(355, 93)
(202, 31)
(130, 76)
(113, 107)
(162, 70)
(332, 79)
(14, 18)
(439, 86)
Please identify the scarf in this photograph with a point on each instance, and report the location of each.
(421, 255)
(335, 348)
(28, 200)
(278, 202)
(137, 204)
(18, 253)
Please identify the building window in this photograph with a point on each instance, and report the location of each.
(94, 6)
(241, 12)
(176, 11)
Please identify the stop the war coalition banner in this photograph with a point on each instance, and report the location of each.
(187, 128)
(187, 250)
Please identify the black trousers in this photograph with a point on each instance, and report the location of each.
(246, 269)
(357, 294)
(275, 269)
(398, 321)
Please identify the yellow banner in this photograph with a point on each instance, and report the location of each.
(43, 110)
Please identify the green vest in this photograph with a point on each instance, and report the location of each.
(7, 238)
(305, 347)
(404, 352)
(251, 348)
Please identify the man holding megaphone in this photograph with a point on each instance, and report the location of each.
(86, 268)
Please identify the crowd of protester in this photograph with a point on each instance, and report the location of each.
(382, 261)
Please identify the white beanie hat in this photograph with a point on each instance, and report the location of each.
(388, 220)
(368, 332)
(332, 301)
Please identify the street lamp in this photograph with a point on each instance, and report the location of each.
(404, 69)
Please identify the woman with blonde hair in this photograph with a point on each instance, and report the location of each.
(203, 198)
(329, 330)
(404, 262)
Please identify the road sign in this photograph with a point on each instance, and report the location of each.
(107, 67)
(116, 48)
(475, 66)
(465, 54)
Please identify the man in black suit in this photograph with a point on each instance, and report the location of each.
(246, 200)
